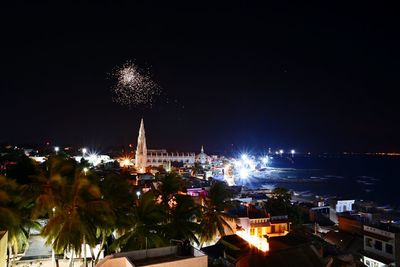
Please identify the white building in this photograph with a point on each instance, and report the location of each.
(155, 157)
(156, 257)
(381, 246)
(203, 158)
(339, 206)
(344, 205)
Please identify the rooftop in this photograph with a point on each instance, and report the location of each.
(392, 228)
(157, 256)
(250, 212)
(287, 241)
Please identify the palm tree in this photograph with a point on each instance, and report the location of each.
(45, 187)
(79, 215)
(145, 226)
(117, 192)
(182, 219)
(214, 219)
(14, 215)
(10, 218)
(171, 184)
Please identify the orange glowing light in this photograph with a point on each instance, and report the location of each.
(260, 243)
(125, 162)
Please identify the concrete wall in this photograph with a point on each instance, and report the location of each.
(3, 247)
(192, 262)
(115, 262)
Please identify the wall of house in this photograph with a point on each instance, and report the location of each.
(349, 225)
(196, 261)
(380, 247)
(115, 262)
(3, 247)
(372, 263)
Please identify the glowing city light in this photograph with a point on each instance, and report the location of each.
(292, 152)
(265, 160)
(84, 151)
(281, 151)
(260, 243)
(243, 173)
(85, 170)
(56, 149)
(245, 157)
(125, 162)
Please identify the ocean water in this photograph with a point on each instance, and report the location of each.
(374, 178)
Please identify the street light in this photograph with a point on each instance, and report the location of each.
(138, 194)
(281, 152)
(85, 170)
(56, 149)
(292, 152)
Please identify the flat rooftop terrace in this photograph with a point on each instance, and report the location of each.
(160, 255)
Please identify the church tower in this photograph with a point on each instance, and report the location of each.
(141, 150)
(202, 157)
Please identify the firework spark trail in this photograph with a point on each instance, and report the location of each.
(134, 86)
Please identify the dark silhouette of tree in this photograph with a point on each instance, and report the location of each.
(214, 220)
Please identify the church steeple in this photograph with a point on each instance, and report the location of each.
(141, 150)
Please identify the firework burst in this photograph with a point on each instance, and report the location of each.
(134, 86)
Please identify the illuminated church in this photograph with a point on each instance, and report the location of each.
(155, 157)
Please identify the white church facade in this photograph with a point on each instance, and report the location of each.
(155, 157)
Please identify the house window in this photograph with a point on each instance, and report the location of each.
(367, 262)
(251, 231)
(368, 242)
(378, 245)
(389, 249)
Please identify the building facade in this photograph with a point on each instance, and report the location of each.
(3, 247)
(155, 157)
(381, 246)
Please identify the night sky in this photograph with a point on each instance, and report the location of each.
(318, 77)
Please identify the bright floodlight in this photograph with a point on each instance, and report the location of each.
(292, 151)
(84, 150)
(56, 149)
(265, 160)
(244, 157)
(138, 193)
